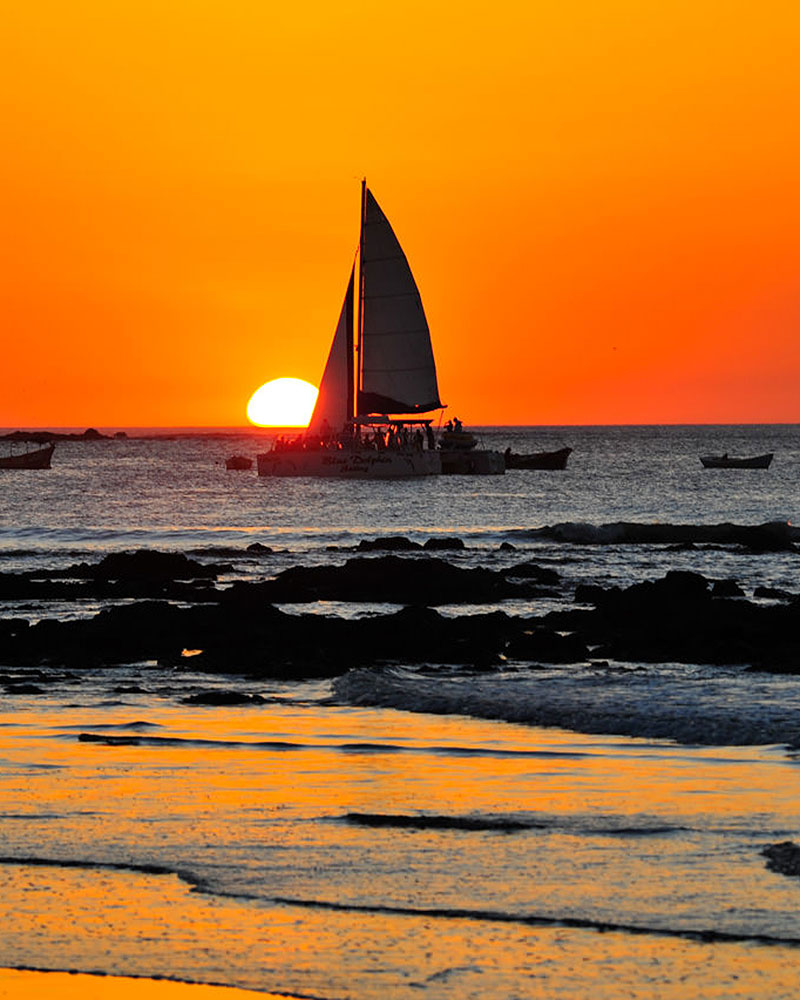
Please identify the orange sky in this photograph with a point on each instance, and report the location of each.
(600, 203)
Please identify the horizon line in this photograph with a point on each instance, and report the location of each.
(252, 428)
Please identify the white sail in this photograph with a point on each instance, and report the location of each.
(398, 372)
(335, 392)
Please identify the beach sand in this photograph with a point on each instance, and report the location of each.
(24, 984)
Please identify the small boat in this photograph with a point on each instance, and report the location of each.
(39, 459)
(239, 463)
(726, 462)
(538, 459)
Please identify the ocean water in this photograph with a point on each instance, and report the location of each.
(561, 831)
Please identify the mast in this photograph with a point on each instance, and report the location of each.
(360, 321)
(348, 349)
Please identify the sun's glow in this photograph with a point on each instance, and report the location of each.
(283, 402)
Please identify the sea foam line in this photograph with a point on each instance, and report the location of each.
(350, 748)
(705, 935)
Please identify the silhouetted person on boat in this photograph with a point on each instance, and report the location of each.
(431, 438)
(457, 425)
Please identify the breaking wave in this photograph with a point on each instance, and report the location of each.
(771, 534)
(706, 934)
(685, 704)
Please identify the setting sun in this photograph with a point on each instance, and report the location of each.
(283, 402)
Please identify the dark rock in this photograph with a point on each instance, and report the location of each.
(146, 564)
(250, 636)
(393, 579)
(258, 547)
(783, 858)
(444, 544)
(392, 543)
(10, 627)
(774, 593)
(530, 571)
(775, 536)
(677, 588)
(591, 593)
(122, 634)
(223, 698)
(545, 646)
(675, 619)
(45, 437)
(22, 586)
(726, 588)
(507, 547)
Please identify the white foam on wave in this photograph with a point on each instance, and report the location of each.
(719, 706)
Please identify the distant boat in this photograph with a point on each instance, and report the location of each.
(726, 462)
(538, 459)
(39, 459)
(239, 463)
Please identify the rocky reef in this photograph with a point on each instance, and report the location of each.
(160, 605)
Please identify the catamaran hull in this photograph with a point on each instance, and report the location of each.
(350, 464)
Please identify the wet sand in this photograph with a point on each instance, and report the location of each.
(333, 851)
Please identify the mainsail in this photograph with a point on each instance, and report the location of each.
(397, 369)
(334, 405)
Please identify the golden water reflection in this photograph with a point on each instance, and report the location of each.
(625, 832)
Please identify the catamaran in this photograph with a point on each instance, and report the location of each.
(379, 378)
